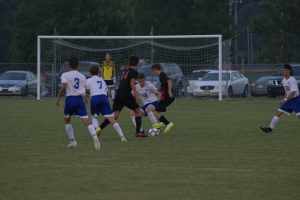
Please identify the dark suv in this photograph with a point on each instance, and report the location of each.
(172, 70)
(275, 87)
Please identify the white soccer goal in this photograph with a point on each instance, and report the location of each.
(184, 53)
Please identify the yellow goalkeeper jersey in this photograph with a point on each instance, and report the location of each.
(108, 70)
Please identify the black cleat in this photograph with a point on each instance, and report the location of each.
(266, 129)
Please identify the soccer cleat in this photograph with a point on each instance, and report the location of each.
(169, 127)
(98, 131)
(96, 142)
(140, 134)
(72, 144)
(158, 125)
(266, 129)
(123, 140)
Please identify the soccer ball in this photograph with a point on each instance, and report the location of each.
(154, 131)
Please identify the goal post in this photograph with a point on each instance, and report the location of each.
(188, 51)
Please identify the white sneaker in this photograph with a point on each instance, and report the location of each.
(72, 144)
(96, 143)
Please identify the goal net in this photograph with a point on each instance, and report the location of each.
(185, 58)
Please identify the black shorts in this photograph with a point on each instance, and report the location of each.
(126, 100)
(163, 104)
(109, 83)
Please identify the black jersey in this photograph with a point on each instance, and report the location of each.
(163, 78)
(126, 76)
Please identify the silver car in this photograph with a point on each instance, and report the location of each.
(233, 83)
(18, 83)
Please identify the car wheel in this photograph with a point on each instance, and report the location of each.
(25, 91)
(246, 92)
(230, 92)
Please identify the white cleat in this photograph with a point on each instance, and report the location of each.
(96, 143)
(72, 144)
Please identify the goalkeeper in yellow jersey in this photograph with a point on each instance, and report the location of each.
(108, 74)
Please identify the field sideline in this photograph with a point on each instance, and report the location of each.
(215, 151)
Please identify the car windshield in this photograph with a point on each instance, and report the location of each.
(146, 70)
(296, 71)
(13, 76)
(262, 80)
(215, 77)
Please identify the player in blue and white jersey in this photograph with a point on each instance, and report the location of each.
(291, 101)
(97, 89)
(148, 94)
(73, 84)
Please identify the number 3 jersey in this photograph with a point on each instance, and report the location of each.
(76, 83)
(97, 86)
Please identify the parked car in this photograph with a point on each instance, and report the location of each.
(195, 76)
(233, 83)
(18, 83)
(259, 87)
(172, 70)
(275, 87)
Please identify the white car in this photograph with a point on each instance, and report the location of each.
(233, 83)
(195, 76)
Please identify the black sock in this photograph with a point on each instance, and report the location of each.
(138, 121)
(164, 120)
(104, 123)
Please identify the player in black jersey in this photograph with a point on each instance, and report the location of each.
(124, 97)
(166, 98)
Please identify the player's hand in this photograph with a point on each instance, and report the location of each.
(57, 101)
(138, 99)
(171, 94)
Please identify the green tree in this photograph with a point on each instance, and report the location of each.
(69, 17)
(278, 28)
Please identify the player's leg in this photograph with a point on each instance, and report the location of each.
(106, 111)
(284, 109)
(132, 116)
(150, 113)
(161, 107)
(82, 113)
(68, 111)
(117, 108)
(94, 102)
(70, 132)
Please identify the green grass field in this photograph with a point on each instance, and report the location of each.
(215, 151)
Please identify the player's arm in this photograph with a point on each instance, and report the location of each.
(62, 91)
(294, 88)
(134, 90)
(170, 85)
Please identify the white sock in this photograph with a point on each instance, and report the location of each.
(95, 122)
(112, 92)
(274, 121)
(92, 130)
(69, 130)
(118, 130)
(152, 117)
(133, 120)
(134, 123)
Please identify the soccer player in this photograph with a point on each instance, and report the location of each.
(96, 88)
(73, 83)
(124, 96)
(166, 98)
(148, 94)
(108, 74)
(291, 100)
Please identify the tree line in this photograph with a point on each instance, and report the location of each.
(21, 21)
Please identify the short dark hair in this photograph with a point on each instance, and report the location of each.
(142, 76)
(289, 67)
(133, 61)
(94, 70)
(156, 66)
(73, 62)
